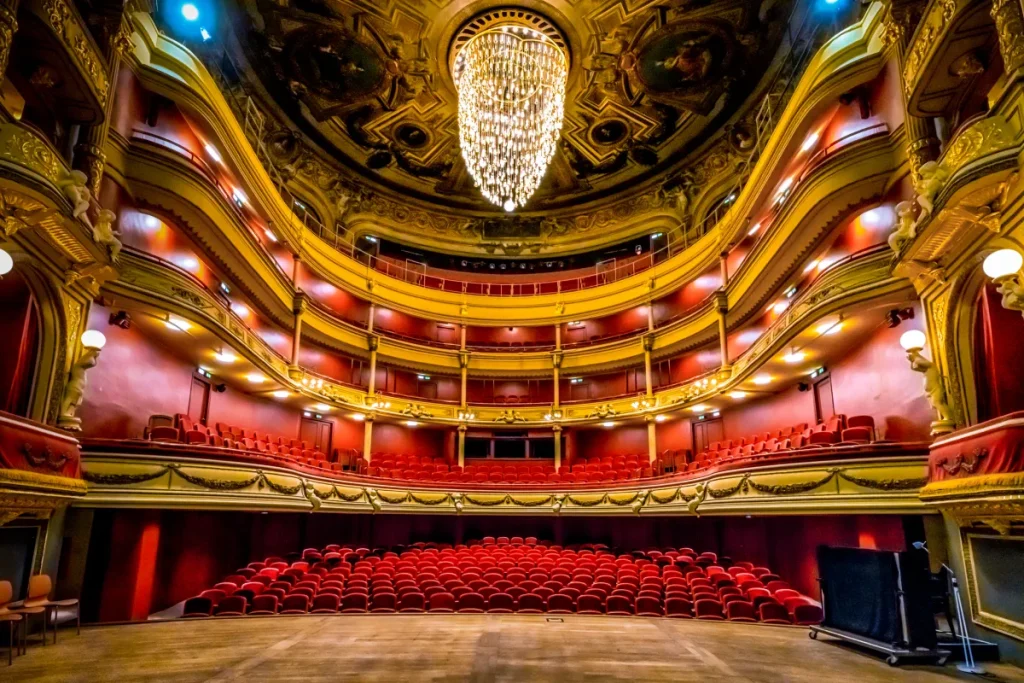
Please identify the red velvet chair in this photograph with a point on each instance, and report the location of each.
(678, 607)
(740, 610)
(773, 613)
(231, 606)
(589, 603)
(619, 605)
(708, 609)
(807, 614)
(647, 606)
(412, 602)
(264, 604)
(215, 595)
(442, 603)
(560, 603)
(354, 603)
(501, 603)
(471, 603)
(325, 603)
(295, 604)
(198, 607)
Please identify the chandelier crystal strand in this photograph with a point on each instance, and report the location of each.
(511, 83)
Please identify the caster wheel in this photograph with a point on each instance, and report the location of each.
(892, 660)
(813, 635)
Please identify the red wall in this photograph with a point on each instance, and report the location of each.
(620, 440)
(785, 409)
(399, 439)
(19, 330)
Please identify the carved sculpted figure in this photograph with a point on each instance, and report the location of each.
(932, 178)
(692, 60)
(75, 189)
(933, 387)
(74, 392)
(906, 228)
(103, 233)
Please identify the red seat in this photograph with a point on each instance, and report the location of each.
(295, 603)
(619, 604)
(325, 603)
(648, 606)
(472, 603)
(589, 603)
(560, 603)
(708, 609)
(353, 603)
(442, 603)
(740, 610)
(807, 614)
(198, 607)
(501, 603)
(231, 606)
(678, 607)
(773, 613)
(412, 602)
(264, 604)
(531, 603)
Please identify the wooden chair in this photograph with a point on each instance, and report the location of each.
(12, 619)
(38, 602)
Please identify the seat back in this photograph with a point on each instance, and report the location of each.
(6, 592)
(39, 586)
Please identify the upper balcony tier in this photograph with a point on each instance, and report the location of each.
(166, 68)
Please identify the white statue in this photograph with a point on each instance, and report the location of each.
(75, 189)
(103, 233)
(931, 179)
(906, 228)
(933, 387)
(74, 391)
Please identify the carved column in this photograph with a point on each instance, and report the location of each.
(557, 429)
(922, 145)
(1009, 20)
(722, 299)
(373, 313)
(8, 27)
(462, 446)
(373, 341)
(299, 306)
(556, 372)
(464, 371)
(652, 440)
(367, 436)
(648, 341)
(89, 156)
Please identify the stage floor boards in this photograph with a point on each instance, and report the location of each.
(389, 648)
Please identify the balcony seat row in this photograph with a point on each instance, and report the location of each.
(506, 575)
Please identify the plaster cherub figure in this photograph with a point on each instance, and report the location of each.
(931, 179)
(75, 189)
(906, 228)
(933, 387)
(103, 233)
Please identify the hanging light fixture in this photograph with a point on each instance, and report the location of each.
(511, 81)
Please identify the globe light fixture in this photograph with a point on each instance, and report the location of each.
(913, 340)
(1002, 263)
(6, 263)
(93, 339)
(511, 83)
(189, 11)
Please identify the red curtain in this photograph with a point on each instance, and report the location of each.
(998, 363)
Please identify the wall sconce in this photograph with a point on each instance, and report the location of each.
(379, 403)
(93, 342)
(466, 415)
(6, 263)
(913, 342)
(1003, 267)
(642, 402)
(553, 415)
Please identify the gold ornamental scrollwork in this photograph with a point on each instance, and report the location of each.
(65, 26)
(983, 137)
(24, 148)
(927, 37)
(1010, 28)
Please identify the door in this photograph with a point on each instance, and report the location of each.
(199, 399)
(824, 405)
(317, 433)
(706, 432)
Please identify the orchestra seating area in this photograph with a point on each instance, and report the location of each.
(506, 575)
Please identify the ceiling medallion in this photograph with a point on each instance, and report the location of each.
(510, 69)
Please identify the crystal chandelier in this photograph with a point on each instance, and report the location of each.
(511, 82)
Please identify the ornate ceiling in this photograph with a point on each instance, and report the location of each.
(359, 97)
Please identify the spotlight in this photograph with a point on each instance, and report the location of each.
(794, 357)
(737, 395)
(189, 11)
(220, 388)
(763, 379)
(322, 407)
(412, 423)
(225, 357)
(256, 378)
(358, 417)
(803, 386)
(608, 425)
(121, 319)
(280, 393)
(898, 315)
(660, 418)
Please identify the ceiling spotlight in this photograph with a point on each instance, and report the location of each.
(225, 356)
(794, 357)
(763, 379)
(608, 424)
(321, 407)
(212, 152)
(177, 324)
(412, 423)
(280, 393)
(256, 378)
(812, 139)
(780, 307)
(830, 328)
(358, 417)
(241, 310)
(270, 235)
(737, 394)
(811, 266)
(699, 408)
(660, 418)
(189, 11)
(753, 230)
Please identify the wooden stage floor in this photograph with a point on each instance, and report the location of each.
(392, 648)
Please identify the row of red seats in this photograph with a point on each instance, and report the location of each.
(503, 577)
(183, 429)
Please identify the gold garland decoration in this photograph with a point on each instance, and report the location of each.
(279, 488)
(678, 493)
(531, 503)
(587, 504)
(426, 501)
(885, 484)
(792, 489)
(404, 498)
(622, 503)
(725, 493)
(487, 503)
(217, 484)
(122, 479)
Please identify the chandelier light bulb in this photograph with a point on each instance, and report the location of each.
(1002, 263)
(511, 82)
